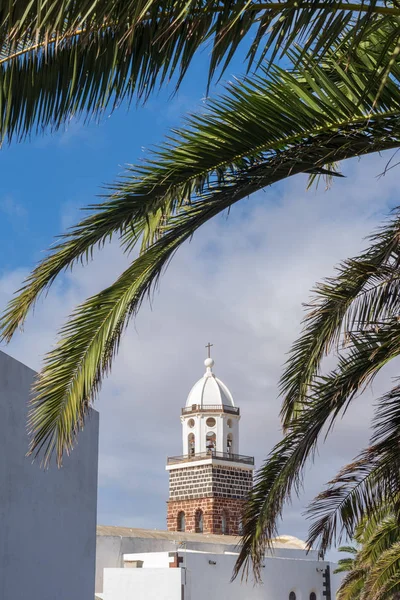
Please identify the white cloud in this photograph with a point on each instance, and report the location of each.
(239, 284)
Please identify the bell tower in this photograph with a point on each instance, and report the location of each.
(209, 482)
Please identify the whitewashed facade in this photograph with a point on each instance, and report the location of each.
(192, 566)
(47, 517)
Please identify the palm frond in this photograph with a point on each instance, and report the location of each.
(281, 474)
(352, 585)
(360, 488)
(387, 532)
(365, 293)
(349, 549)
(378, 534)
(264, 129)
(59, 59)
(384, 578)
(344, 564)
(370, 523)
(73, 371)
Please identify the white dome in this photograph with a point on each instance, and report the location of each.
(209, 391)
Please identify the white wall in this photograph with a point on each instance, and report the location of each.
(144, 584)
(111, 549)
(47, 518)
(151, 560)
(280, 576)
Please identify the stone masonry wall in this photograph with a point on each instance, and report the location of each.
(209, 481)
(212, 509)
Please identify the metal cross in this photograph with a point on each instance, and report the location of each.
(209, 349)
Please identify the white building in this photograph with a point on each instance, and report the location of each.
(194, 559)
(47, 517)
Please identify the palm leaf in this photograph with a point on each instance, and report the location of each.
(365, 293)
(73, 371)
(59, 59)
(384, 578)
(265, 129)
(349, 550)
(344, 565)
(281, 474)
(387, 532)
(378, 536)
(361, 486)
(352, 585)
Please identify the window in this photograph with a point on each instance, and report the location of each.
(198, 521)
(210, 422)
(181, 521)
(229, 442)
(191, 423)
(229, 423)
(191, 444)
(313, 596)
(224, 522)
(292, 596)
(211, 441)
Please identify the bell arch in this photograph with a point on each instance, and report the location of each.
(198, 521)
(191, 444)
(229, 443)
(211, 441)
(181, 521)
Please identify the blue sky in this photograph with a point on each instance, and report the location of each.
(47, 178)
(240, 284)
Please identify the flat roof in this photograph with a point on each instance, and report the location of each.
(283, 541)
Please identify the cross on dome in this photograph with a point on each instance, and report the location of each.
(209, 390)
(209, 362)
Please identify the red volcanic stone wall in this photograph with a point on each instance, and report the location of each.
(212, 508)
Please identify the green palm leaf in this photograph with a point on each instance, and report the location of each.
(59, 59)
(384, 578)
(73, 371)
(386, 533)
(281, 474)
(378, 537)
(360, 487)
(265, 129)
(352, 585)
(366, 291)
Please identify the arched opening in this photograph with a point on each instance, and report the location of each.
(229, 423)
(198, 521)
(229, 442)
(181, 521)
(191, 444)
(211, 441)
(224, 522)
(240, 526)
(313, 596)
(292, 596)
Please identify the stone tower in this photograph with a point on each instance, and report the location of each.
(209, 483)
